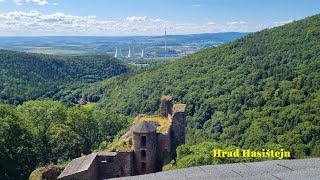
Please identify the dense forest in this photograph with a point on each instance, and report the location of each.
(26, 76)
(41, 132)
(260, 91)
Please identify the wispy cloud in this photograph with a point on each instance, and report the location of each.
(196, 5)
(237, 26)
(141, 19)
(280, 23)
(18, 2)
(232, 23)
(36, 23)
(39, 2)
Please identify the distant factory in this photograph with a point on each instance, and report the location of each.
(166, 52)
(144, 54)
(118, 53)
(131, 54)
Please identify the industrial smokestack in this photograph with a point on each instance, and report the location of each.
(165, 40)
(132, 53)
(118, 53)
(144, 53)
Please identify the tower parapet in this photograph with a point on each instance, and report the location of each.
(178, 122)
(166, 106)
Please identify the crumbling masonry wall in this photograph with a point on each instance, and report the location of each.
(178, 124)
(118, 165)
(166, 106)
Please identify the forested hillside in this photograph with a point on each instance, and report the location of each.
(41, 132)
(26, 76)
(37, 133)
(261, 91)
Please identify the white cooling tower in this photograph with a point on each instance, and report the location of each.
(118, 53)
(131, 54)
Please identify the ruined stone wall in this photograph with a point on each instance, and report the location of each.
(115, 166)
(92, 171)
(166, 106)
(163, 148)
(125, 161)
(177, 131)
(108, 167)
(164, 142)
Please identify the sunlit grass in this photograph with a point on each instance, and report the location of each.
(162, 122)
(89, 105)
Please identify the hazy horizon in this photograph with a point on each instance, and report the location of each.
(111, 36)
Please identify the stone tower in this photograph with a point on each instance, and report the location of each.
(144, 147)
(166, 106)
(178, 122)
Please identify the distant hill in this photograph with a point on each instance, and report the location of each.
(79, 45)
(260, 91)
(219, 38)
(26, 76)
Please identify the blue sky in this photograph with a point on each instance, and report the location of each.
(147, 17)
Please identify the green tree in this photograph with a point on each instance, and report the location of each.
(17, 155)
(43, 115)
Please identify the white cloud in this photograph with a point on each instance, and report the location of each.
(18, 2)
(238, 26)
(39, 2)
(196, 5)
(137, 19)
(280, 23)
(243, 23)
(55, 4)
(232, 23)
(2, 1)
(36, 23)
(141, 19)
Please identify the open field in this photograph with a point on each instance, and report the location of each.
(79, 45)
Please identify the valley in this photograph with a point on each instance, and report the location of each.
(259, 91)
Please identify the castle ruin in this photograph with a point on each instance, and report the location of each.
(151, 140)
